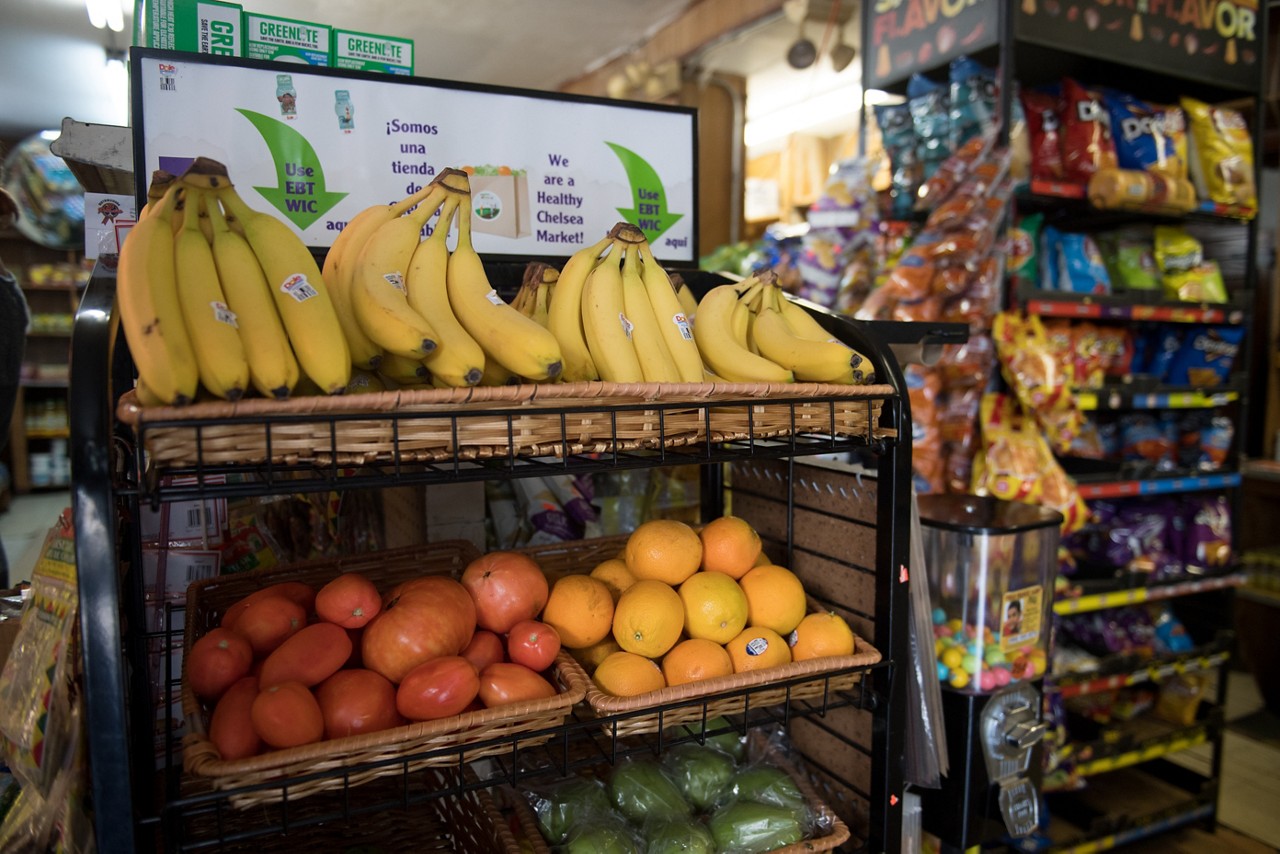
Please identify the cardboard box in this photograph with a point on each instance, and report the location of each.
(368, 52)
(286, 40)
(198, 26)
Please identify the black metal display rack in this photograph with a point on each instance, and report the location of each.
(855, 738)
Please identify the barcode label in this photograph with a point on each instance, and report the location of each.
(168, 84)
(223, 314)
(299, 288)
(682, 323)
(198, 518)
(197, 570)
(395, 280)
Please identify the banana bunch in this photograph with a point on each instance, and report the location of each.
(216, 296)
(751, 332)
(618, 318)
(533, 300)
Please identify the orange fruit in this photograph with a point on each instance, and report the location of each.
(715, 608)
(820, 635)
(694, 660)
(591, 657)
(756, 649)
(625, 674)
(580, 609)
(775, 598)
(615, 575)
(664, 550)
(729, 545)
(648, 619)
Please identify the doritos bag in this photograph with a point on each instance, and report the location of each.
(1087, 145)
(1041, 109)
(1147, 136)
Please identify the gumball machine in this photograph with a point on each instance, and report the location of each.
(991, 567)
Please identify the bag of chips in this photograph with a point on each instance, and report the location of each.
(974, 100)
(1087, 145)
(1032, 370)
(898, 135)
(1147, 136)
(1074, 263)
(1222, 163)
(1040, 107)
(1131, 261)
(931, 118)
(1205, 357)
(1024, 257)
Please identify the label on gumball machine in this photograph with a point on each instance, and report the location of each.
(1020, 614)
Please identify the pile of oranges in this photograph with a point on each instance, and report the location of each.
(680, 606)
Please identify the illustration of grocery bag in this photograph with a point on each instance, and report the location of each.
(500, 201)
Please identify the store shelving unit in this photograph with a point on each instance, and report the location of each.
(855, 740)
(1130, 49)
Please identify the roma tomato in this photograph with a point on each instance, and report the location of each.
(359, 701)
(287, 715)
(506, 682)
(420, 620)
(533, 644)
(439, 688)
(298, 592)
(507, 587)
(310, 656)
(216, 661)
(350, 600)
(231, 725)
(485, 648)
(269, 621)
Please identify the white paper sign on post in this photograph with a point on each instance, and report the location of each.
(551, 173)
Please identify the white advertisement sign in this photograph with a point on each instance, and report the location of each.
(549, 175)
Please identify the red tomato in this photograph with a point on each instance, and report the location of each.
(357, 701)
(505, 682)
(420, 620)
(439, 688)
(350, 600)
(507, 587)
(533, 644)
(485, 648)
(216, 661)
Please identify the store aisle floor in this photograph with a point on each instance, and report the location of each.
(23, 528)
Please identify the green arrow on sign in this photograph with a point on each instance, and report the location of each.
(300, 193)
(650, 213)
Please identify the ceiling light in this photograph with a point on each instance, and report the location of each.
(106, 14)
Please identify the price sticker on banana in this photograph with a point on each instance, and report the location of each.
(299, 288)
(223, 314)
(395, 280)
(682, 323)
(627, 326)
(493, 297)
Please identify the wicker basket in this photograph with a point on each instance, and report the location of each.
(436, 425)
(735, 694)
(832, 833)
(352, 761)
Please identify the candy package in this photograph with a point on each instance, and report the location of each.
(1205, 356)
(974, 102)
(1041, 109)
(1147, 136)
(1222, 164)
(1087, 145)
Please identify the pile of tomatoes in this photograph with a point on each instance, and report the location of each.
(291, 665)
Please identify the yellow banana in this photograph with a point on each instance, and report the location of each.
(606, 326)
(365, 354)
(146, 396)
(721, 323)
(212, 325)
(810, 361)
(803, 325)
(656, 363)
(564, 313)
(160, 183)
(495, 375)
(379, 294)
(458, 359)
(147, 292)
(687, 300)
(353, 237)
(673, 321)
(542, 301)
(365, 382)
(273, 369)
(296, 283)
(517, 343)
(402, 369)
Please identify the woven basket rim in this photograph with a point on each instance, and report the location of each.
(709, 689)
(130, 411)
